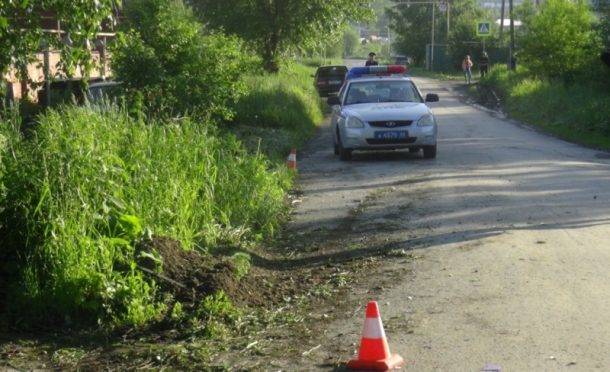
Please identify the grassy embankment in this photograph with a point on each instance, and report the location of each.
(280, 110)
(577, 112)
(86, 188)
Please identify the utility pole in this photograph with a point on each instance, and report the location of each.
(432, 39)
(502, 21)
(511, 64)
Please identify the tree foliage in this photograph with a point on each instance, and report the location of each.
(412, 25)
(21, 33)
(164, 54)
(560, 39)
(351, 40)
(463, 37)
(276, 26)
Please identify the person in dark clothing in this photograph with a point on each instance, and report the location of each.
(484, 64)
(371, 60)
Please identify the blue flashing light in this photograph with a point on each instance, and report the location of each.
(356, 72)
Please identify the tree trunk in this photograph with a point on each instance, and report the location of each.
(270, 54)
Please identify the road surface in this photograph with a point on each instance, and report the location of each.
(510, 230)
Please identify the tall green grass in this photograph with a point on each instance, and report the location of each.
(578, 112)
(85, 184)
(282, 110)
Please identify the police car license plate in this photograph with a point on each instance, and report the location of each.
(392, 134)
(335, 82)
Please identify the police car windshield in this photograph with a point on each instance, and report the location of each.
(381, 91)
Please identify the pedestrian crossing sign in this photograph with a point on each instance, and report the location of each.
(483, 28)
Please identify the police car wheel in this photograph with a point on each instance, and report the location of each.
(430, 152)
(345, 154)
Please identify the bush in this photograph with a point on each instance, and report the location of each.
(164, 54)
(87, 184)
(560, 40)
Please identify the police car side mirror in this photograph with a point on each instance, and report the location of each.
(333, 100)
(431, 97)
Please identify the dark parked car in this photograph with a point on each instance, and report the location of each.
(78, 92)
(329, 79)
(402, 60)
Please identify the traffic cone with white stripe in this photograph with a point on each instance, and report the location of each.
(292, 159)
(374, 353)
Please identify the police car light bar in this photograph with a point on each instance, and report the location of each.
(356, 72)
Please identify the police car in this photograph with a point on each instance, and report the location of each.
(379, 108)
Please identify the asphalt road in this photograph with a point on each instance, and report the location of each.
(510, 230)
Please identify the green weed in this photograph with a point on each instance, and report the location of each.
(241, 262)
(87, 184)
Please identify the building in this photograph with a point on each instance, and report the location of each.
(18, 88)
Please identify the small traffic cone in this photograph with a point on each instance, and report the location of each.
(374, 353)
(292, 159)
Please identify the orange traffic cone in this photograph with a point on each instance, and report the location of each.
(374, 353)
(292, 159)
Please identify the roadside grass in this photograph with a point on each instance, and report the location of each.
(279, 111)
(86, 185)
(578, 112)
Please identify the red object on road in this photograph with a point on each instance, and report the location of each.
(374, 353)
(291, 162)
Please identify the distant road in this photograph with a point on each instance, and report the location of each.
(354, 62)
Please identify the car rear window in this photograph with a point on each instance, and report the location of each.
(332, 71)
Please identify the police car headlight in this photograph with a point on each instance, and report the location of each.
(425, 121)
(354, 122)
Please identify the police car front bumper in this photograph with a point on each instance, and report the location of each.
(373, 138)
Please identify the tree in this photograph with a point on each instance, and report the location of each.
(164, 54)
(276, 26)
(463, 37)
(351, 40)
(412, 25)
(21, 33)
(560, 40)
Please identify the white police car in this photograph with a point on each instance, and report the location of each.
(379, 108)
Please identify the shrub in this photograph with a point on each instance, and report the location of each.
(87, 184)
(164, 54)
(560, 40)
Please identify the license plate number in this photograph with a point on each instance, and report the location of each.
(393, 134)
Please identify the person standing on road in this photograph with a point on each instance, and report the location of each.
(467, 68)
(484, 64)
(371, 60)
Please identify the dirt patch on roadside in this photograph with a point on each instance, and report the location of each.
(191, 276)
